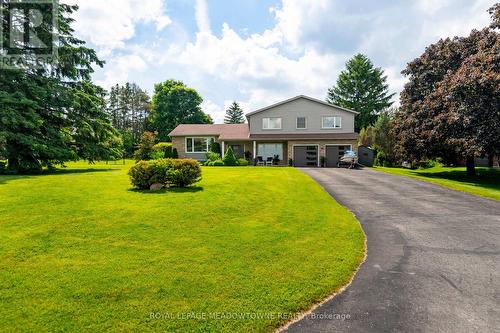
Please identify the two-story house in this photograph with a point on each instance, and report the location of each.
(301, 129)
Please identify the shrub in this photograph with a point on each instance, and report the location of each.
(3, 167)
(229, 159)
(140, 175)
(322, 161)
(242, 162)
(183, 172)
(215, 148)
(211, 157)
(165, 147)
(169, 172)
(218, 163)
(145, 149)
(175, 154)
(276, 159)
(158, 155)
(380, 159)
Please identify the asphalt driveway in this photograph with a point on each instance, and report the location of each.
(433, 260)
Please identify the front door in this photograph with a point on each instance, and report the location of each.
(305, 156)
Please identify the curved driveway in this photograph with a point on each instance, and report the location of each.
(433, 260)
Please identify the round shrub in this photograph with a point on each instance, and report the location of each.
(183, 172)
(140, 175)
(242, 162)
(218, 163)
(168, 172)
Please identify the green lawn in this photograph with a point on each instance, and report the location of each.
(81, 251)
(486, 183)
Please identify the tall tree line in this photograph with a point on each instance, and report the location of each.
(129, 107)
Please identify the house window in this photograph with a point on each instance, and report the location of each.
(332, 122)
(198, 145)
(270, 150)
(301, 122)
(271, 123)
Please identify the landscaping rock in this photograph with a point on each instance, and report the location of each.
(156, 187)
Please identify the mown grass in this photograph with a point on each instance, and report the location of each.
(485, 184)
(81, 251)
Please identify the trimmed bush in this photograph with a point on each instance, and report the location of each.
(215, 148)
(218, 163)
(140, 175)
(165, 147)
(242, 162)
(229, 159)
(158, 155)
(183, 172)
(168, 172)
(175, 153)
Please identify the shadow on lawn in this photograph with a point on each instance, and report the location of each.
(191, 189)
(6, 178)
(485, 178)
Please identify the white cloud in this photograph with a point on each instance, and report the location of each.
(202, 16)
(109, 24)
(302, 53)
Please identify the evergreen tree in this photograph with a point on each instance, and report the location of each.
(361, 88)
(234, 115)
(52, 113)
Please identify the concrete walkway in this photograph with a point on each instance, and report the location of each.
(433, 258)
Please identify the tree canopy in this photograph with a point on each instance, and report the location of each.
(450, 107)
(53, 113)
(363, 88)
(174, 104)
(234, 114)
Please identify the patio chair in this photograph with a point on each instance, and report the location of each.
(260, 161)
(269, 161)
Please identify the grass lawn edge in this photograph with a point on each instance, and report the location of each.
(335, 293)
(435, 182)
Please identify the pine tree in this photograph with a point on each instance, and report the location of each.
(234, 115)
(362, 88)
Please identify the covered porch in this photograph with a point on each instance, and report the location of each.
(261, 150)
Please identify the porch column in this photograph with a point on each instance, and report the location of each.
(254, 150)
(223, 148)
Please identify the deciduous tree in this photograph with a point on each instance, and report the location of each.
(451, 105)
(174, 104)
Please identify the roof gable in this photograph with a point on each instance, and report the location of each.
(300, 97)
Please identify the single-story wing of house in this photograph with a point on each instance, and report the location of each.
(301, 130)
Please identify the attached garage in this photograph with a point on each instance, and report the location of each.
(334, 153)
(305, 156)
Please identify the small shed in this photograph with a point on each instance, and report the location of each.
(366, 156)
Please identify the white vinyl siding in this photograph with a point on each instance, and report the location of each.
(198, 145)
(331, 122)
(271, 123)
(301, 123)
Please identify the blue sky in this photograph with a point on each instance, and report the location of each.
(260, 52)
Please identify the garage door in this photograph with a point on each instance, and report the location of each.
(305, 156)
(333, 155)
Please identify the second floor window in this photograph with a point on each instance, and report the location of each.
(332, 122)
(301, 122)
(271, 123)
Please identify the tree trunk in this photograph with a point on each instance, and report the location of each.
(471, 167)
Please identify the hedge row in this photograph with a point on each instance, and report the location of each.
(168, 172)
